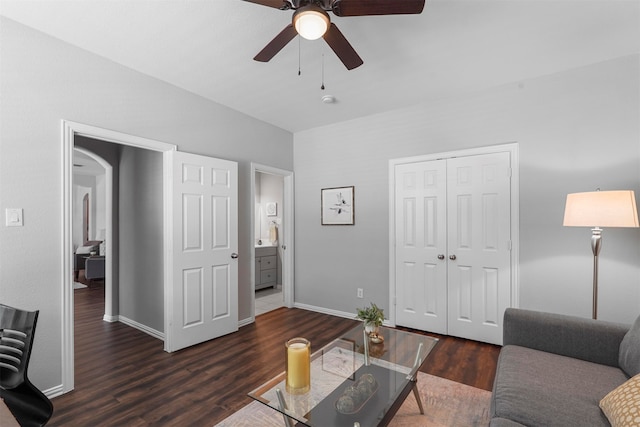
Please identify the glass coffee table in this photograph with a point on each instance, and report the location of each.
(354, 381)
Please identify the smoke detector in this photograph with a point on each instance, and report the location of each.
(328, 99)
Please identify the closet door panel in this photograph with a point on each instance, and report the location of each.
(478, 194)
(420, 212)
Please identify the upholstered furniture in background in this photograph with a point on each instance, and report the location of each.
(82, 253)
(554, 370)
(94, 268)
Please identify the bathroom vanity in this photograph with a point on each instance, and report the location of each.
(266, 266)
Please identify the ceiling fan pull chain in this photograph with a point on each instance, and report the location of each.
(299, 55)
(322, 87)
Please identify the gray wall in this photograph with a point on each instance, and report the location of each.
(141, 283)
(137, 236)
(45, 81)
(577, 130)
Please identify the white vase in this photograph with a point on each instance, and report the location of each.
(370, 327)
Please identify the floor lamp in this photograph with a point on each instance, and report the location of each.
(600, 209)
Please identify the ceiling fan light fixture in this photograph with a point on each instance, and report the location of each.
(311, 22)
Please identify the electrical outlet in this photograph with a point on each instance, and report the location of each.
(360, 293)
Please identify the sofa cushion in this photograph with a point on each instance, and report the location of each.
(85, 249)
(503, 422)
(629, 355)
(622, 405)
(537, 388)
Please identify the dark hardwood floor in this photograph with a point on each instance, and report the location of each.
(124, 378)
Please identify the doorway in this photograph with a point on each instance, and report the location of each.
(71, 130)
(454, 241)
(272, 238)
(188, 183)
(100, 214)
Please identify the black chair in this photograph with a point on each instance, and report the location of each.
(27, 404)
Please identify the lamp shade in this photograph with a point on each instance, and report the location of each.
(311, 22)
(601, 209)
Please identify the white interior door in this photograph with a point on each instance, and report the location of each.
(421, 239)
(453, 245)
(203, 303)
(479, 242)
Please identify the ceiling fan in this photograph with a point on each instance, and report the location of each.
(312, 21)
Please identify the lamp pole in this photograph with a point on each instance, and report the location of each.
(596, 243)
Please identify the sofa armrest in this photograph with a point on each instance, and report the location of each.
(587, 339)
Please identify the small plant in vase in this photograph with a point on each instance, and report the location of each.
(372, 317)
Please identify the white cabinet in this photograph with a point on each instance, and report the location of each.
(266, 267)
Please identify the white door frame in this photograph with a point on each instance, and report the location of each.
(513, 150)
(69, 131)
(109, 315)
(287, 262)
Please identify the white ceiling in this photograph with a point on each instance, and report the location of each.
(453, 47)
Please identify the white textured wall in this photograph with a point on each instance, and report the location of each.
(577, 130)
(45, 81)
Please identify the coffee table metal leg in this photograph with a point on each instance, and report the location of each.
(367, 362)
(416, 393)
(414, 378)
(288, 422)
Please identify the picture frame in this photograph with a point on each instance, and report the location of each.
(337, 206)
(272, 209)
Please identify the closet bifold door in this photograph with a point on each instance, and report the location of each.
(479, 243)
(453, 245)
(421, 237)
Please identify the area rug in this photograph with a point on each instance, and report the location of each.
(446, 404)
(78, 285)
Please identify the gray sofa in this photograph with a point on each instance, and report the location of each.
(553, 369)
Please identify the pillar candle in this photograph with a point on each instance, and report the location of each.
(298, 365)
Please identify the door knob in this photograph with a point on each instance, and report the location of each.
(234, 255)
(441, 256)
(452, 257)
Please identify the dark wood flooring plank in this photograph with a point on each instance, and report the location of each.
(123, 376)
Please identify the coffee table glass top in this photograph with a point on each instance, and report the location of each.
(346, 387)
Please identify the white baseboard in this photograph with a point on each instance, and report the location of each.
(245, 322)
(53, 391)
(147, 330)
(110, 319)
(331, 312)
(324, 310)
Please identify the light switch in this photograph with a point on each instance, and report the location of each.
(14, 217)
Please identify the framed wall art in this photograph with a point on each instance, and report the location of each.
(336, 205)
(272, 209)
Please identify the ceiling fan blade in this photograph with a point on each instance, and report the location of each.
(336, 40)
(277, 4)
(276, 45)
(377, 7)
